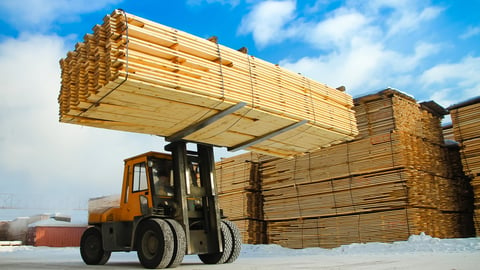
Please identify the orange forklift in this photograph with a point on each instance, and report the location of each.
(168, 208)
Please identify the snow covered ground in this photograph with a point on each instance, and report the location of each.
(419, 252)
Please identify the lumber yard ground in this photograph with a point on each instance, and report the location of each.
(419, 252)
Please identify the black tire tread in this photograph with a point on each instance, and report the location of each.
(236, 241)
(102, 257)
(220, 257)
(180, 243)
(163, 229)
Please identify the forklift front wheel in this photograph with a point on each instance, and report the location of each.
(236, 240)
(91, 247)
(180, 243)
(220, 257)
(155, 243)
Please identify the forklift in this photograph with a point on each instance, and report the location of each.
(168, 208)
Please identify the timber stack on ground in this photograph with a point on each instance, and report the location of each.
(392, 181)
(466, 130)
(136, 75)
(240, 195)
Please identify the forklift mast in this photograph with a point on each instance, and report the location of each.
(186, 190)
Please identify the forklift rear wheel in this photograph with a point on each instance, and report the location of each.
(155, 243)
(220, 257)
(91, 247)
(180, 243)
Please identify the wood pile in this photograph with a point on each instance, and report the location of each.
(240, 197)
(466, 130)
(383, 226)
(132, 74)
(394, 180)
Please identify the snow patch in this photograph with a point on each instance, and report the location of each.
(14, 248)
(414, 244)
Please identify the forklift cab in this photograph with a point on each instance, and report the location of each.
(180, 186)
(153, 173)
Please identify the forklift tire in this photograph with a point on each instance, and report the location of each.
(91, 247)
(221, 257)
(155, 243)
(180, 243)
(236, 240)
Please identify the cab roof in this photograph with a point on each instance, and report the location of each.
(151, 154)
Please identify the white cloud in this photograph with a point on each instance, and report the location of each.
(267, 21)
(402, 16)
(37, 15)
(470, 32)
(450, 83)
(365, 67)
(338, 30)
(47, 156)
(409, 20)
(359, 70)
(357, 43)
(464, 74)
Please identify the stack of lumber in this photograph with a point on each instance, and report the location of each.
(384, 226)
(394, 180)
(240, 197)
(466, 130)
(132, 74)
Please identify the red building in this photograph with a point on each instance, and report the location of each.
(53, 233)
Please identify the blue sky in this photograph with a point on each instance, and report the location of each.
(428, 49)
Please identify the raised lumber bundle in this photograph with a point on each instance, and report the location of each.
(466, 130)
(392, 181)
(136, 75)
(240, 197)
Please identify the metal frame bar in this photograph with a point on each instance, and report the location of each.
(195, 127)
(211, 217)
(210, 201)
(266, 136)
(180, 168)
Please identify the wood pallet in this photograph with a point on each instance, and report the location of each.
(136, 75)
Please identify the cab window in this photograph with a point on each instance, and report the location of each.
(139, 177)
(162, 177)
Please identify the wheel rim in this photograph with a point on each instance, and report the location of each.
(93, 246)
(150, 244)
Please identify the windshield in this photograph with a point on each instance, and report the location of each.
(162, 175)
